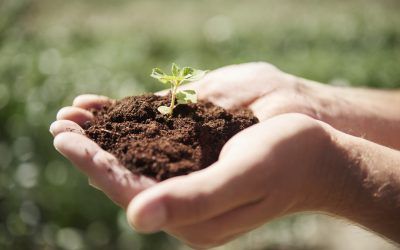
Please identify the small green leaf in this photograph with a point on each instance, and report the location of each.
(164, 110)
(186, 96)
(175, 69)
(159, 75)
(187, 71)
(168, 79)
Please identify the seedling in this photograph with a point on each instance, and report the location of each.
(178, 77)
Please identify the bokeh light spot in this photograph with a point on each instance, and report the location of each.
(218, 29)
(70, 239)
(26, 175)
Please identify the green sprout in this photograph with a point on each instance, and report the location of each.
(177, 77)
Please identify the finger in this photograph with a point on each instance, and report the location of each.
(214, 232)
(90, 101)
(105, 172)
(223, 228)
(93, 184)
(277, 104)
(61, 126)
(77, 115)
(192, 198)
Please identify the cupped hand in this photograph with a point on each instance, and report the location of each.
(248, 186)
(269, 170)
(280, 166)
(102, 168)
(262, 87)
(267, 91)
(233, 86)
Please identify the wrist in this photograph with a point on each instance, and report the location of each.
(336, 173)
(371, 114)
(340, 162)
(355, 174)
(366, 189)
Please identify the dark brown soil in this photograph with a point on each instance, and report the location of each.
(158, 146)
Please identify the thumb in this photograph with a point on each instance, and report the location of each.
(282, 103)
(196, 197)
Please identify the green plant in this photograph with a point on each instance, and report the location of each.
(178, 77)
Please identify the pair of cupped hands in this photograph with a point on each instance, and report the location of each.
(274, 168)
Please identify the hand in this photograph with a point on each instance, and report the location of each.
(287, 164)
(242, 190)
(102, 168)
(269, 94)
(271, 169)
(93, 161)
(267, 91)
(260, 86)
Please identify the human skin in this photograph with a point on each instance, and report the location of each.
(296, 163)
(369, 113)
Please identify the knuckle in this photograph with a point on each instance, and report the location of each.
(265, 66)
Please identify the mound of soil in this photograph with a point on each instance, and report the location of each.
(149, 143)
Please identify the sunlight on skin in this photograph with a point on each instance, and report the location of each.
(238, 202)
(268, 91)
(254, 185)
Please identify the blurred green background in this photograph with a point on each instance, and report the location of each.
(53, 50)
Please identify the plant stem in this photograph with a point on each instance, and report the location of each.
(173, 94)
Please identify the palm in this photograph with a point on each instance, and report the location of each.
(102, 168)
(262, 87)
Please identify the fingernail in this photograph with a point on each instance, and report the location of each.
(51, 129)
(152, 219)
